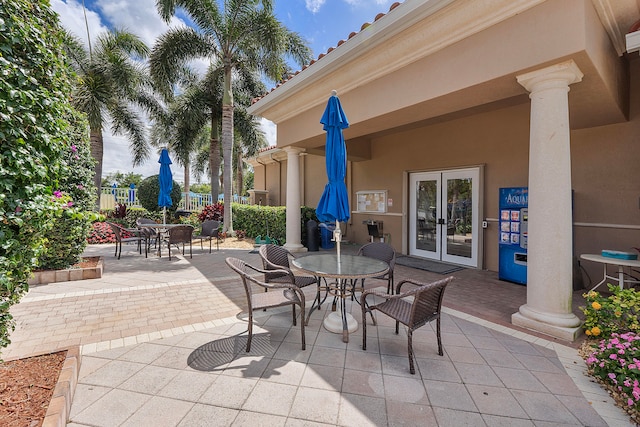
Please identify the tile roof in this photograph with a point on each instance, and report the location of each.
(322, 55)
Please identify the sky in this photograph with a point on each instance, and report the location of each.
(322, 23)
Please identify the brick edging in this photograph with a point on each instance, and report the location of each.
(60, 405)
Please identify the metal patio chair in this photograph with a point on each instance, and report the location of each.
(282, 294)
(180, 235)
(210, 230)
(423, 308)
(383, 252)
(128, 235)
(275, 259)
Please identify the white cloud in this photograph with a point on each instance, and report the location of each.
(117, 158)
(314, 6)
(139, 17)
(270, 130)
(72, 18)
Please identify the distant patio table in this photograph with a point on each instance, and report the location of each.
(620, 263)
(344, 269)
(160, 228)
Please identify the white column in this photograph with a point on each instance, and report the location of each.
(549, 267)
(294, 235)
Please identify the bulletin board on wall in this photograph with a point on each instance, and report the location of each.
(371, 201)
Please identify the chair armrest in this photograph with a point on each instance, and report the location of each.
(276, 267)
(410, 282)
(273, 285)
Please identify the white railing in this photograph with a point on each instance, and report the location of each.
(195, 202)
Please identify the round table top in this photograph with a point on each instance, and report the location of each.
(345, 267)
(611, 260)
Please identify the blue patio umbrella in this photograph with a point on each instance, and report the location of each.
(334, 202)
(165, 180)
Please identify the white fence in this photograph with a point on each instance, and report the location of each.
(193, 202)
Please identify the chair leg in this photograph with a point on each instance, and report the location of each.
(440, 352)
(250, 330)
(116, 252)
(364, 324)
(410, 350)
(190, 250)
(397, 327)
(304, 344)
(293, 311)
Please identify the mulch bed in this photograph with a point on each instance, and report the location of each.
(26, 388)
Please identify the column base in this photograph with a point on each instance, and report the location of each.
(293, 247)
(561, 332)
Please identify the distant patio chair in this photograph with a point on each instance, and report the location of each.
(290, 295)
(210, 230)
(425, 307)
(128, 235)
(180, 235)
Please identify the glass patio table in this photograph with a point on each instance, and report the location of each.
(345, 269)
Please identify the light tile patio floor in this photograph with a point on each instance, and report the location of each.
(163, 347)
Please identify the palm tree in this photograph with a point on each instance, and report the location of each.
(110, 87)
(241, 35)
(196, 110)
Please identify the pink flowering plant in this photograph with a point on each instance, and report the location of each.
(616, 363)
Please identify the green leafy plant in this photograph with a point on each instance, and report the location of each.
(148, 195)
(133, 214)
(616, 313)
(68, 237)
(35, 132)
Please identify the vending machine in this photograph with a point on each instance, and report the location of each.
(513, 204)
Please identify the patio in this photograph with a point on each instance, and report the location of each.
(162, 344)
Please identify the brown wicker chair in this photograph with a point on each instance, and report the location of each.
(210, 230)
(128, 235)
(149, 232)
(383, 252)
(290, 295)
(277, 258)
(425, 307)
(180, 234)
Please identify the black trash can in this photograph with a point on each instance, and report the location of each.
(312, 236)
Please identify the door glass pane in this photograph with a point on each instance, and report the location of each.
(427, 207)
(459, 217)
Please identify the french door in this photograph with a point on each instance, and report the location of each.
(443, 220)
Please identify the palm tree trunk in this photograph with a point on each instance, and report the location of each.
(97, 149)
(227, 149)
(187, 179)
(239, 172)
(214, 159)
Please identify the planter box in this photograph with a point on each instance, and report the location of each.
(71, 274)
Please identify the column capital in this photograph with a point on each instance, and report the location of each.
(293, 150)
(556, 76)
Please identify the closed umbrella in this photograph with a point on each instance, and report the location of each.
(334, 203)
(165, 179)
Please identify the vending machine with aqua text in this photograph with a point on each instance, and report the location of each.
(514, 216)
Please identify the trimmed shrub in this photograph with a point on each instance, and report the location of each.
(148, 195)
